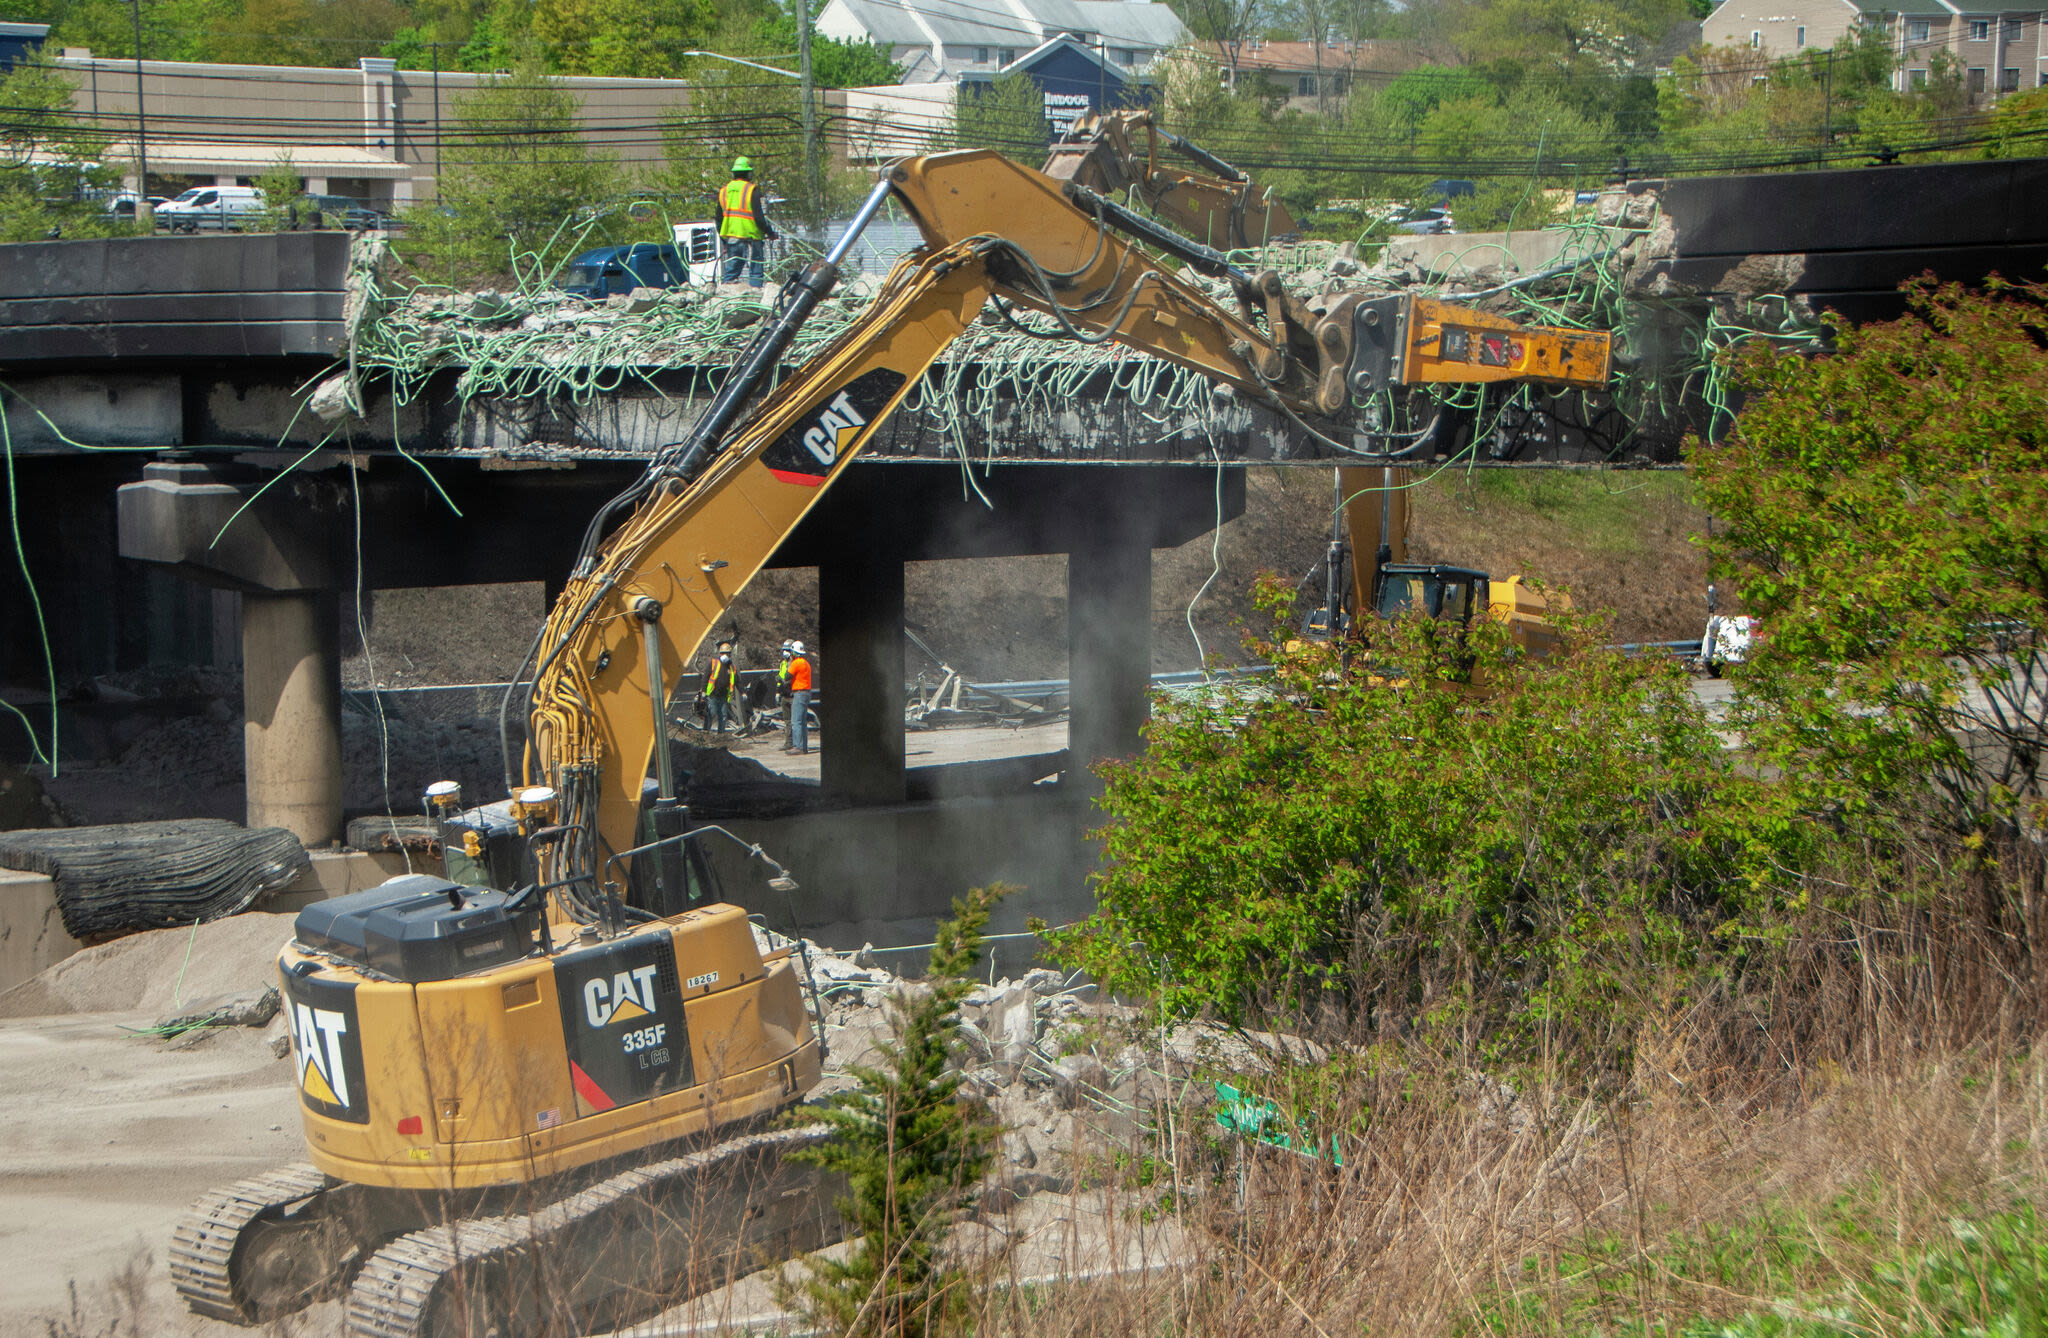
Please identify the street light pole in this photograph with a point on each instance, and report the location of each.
(142, 209)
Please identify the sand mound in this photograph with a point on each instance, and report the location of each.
(140, 973)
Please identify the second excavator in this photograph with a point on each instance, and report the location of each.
(539, 1096)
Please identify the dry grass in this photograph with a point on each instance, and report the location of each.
(1691, 1192)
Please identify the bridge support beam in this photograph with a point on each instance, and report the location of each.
(1109, 647)
(860, 621)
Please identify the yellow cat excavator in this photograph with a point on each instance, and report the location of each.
(1102, 153)
(541, 1105)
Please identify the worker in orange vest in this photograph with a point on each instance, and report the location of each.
(743, 227)
(796, 681)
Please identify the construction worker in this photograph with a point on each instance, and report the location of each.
(743, 227)
(718, 688)
(796, 680)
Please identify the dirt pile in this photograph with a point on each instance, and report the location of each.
(159, 970)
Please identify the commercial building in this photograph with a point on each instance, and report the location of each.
(376, 133)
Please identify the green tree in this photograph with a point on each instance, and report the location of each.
(1378, 846)
(1007, 114)
(52, 180)
(282, 188)
(913, 1152)
(1884, 512)
(1416, 93)
(518, 179)
(835, 62)
(641, 39)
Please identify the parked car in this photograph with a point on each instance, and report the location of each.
(1424, 222)
(222, 208)
(334, 211)
(620, 269)
(121, 204)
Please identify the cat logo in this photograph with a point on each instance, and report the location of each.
(834, 428)
(316, 1036)
(810, 450)
(628, 995)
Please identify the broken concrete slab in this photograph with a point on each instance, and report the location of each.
(243, 1008)
(1464, 254)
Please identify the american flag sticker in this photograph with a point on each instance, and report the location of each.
(548, 1119)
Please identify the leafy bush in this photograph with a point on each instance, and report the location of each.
(1389, 848)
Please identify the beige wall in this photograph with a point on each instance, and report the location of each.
(2011, 41)
(1772, 26)
(388, 113)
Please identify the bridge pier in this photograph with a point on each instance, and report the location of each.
(1109, 648)
(860, 622)
(291, 712)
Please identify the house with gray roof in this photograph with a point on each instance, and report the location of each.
(1998, 51)
(945, 39)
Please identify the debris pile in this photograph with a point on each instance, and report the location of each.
(1603, 272)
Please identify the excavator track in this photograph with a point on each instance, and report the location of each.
(621, 1249)
(210, 1247)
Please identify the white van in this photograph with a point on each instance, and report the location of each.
(218, 207)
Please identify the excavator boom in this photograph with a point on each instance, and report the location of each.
(713, 509)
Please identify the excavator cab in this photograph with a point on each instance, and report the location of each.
(1448, 594)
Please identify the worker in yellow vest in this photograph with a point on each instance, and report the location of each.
(743, 226)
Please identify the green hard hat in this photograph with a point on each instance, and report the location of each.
(743, 164)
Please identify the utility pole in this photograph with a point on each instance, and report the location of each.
(814, 173)
(142, 209)
(1827, 107)
(436, 47)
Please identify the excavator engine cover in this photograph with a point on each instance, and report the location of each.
(418, 928)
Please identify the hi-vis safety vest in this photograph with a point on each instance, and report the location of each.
(736, 211)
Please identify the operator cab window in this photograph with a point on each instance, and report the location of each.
(1454, 603)
(1403, 592)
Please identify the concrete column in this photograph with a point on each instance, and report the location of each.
(291, 706)
(860, 674)
(1109, 647)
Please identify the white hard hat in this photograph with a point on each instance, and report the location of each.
(797, 646)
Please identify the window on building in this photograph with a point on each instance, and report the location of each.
(1975, 81)
(2009, 29)
(2009, 79)
(1305, 86)
(1980, 30)
(1917, 30)
(1004, 55)
(1126, 56)
(1799, 38)
(981, 55)
(1756, 37)
(1916, 78)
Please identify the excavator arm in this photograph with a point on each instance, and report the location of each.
(663, 562)
(1102, 153)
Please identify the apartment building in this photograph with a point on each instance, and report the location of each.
(1998, 51)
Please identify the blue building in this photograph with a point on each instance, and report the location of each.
(1073, 77)
(19, 41)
